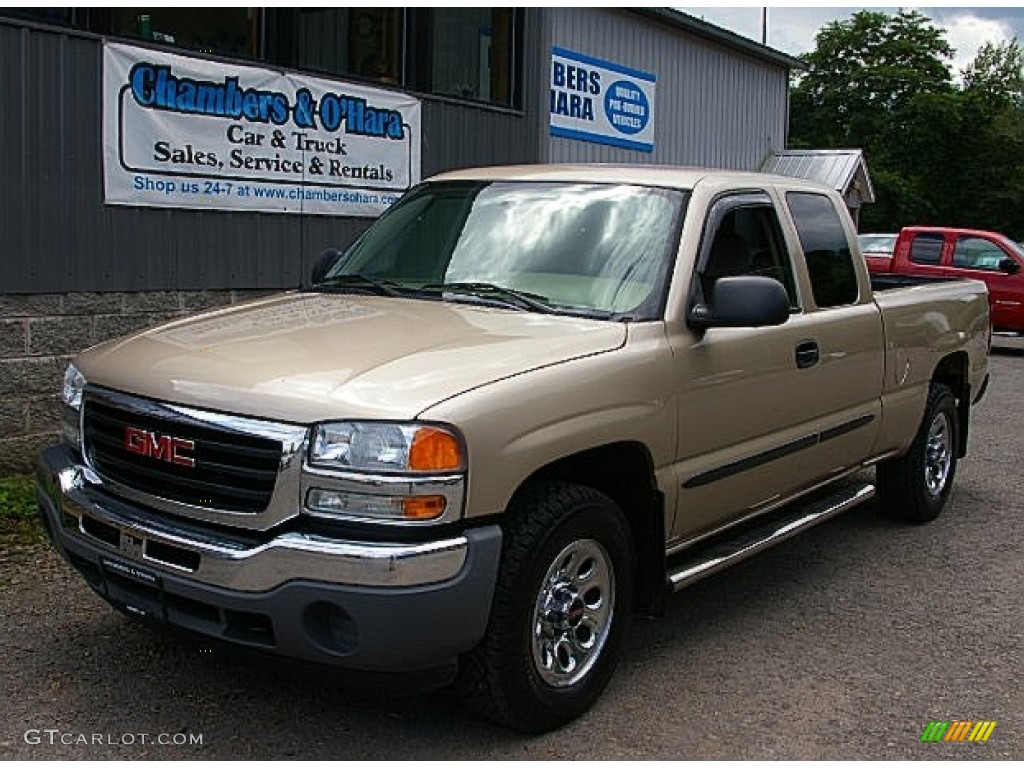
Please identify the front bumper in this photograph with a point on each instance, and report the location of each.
(382, 607)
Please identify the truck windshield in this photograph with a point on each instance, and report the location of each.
(599, 250)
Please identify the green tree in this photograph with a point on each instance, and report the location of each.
(997, 74)
(863, 71)
(992, 141)
(938, 152)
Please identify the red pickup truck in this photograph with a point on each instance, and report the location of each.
(948, 252)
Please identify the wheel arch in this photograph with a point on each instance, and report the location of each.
(623, 471)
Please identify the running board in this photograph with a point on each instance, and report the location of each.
(710, 560)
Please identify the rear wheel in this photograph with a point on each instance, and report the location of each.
(916, 486)
(561, 608)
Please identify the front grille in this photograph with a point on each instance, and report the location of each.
(233, 471)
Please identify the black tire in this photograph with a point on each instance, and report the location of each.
(522, 674)
(916, 486)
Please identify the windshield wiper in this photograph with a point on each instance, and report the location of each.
(509, 297)
(358, 281)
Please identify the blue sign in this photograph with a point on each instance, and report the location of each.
(601, 101)
(626, 107)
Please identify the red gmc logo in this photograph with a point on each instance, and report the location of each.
(160, 447)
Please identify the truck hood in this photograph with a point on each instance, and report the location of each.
(305, 357)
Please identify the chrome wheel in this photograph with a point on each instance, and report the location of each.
(938, 454)
(561, 609)
(573, 613)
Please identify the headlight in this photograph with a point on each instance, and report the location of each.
(71, 395)
(74, 383)
(393, 473)
(386, 447)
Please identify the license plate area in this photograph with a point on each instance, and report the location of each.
(137, 590)
(142, 592)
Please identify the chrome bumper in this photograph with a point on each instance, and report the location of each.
(80, 508)
(376, 607)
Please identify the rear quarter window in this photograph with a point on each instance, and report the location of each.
(926, 249)
(826, 249)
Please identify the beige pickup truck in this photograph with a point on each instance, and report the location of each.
(525, 405)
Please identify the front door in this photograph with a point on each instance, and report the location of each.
(981, 258)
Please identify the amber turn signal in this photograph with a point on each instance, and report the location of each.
(423, 507)
(434, 450)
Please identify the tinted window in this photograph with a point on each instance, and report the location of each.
(360, 41)
(471, 50)
(977, 253)
(748, 241)
(926, 249)
(222, 31)
(826, 249)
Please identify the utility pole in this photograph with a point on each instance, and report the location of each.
(764, 26)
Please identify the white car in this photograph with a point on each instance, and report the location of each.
(877, 245)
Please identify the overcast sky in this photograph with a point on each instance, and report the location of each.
(792, 30)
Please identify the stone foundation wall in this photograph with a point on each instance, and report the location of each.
(39, 334)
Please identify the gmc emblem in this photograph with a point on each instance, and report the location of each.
(160, 447)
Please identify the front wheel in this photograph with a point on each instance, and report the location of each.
(561, 607)
(916, 486)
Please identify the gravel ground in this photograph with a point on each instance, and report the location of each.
(842, 643)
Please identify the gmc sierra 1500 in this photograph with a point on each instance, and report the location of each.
(525, 405)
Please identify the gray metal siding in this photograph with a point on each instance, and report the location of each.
(463, 136)
(715, 106)
(58, 235)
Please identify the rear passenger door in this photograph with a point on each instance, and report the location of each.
(843, 389)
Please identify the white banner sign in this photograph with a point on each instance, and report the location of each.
(600, 101)
(180, 132)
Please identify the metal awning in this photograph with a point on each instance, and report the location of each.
(845, 170)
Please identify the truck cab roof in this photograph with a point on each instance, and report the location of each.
(678, 177)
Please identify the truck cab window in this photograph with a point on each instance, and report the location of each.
(926, 249)
(826, 249)
(977, 253)
(748, 241)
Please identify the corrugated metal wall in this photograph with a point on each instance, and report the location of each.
(57, 235)
(715, 107)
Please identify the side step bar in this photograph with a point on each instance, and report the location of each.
(705, 562)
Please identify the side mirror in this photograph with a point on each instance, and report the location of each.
(742, 302)
(1009, 266)
(323, 265)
